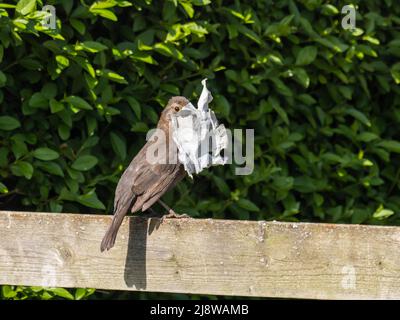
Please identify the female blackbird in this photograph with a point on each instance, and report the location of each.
(143, 183)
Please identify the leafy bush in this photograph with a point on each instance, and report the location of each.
(77, 101)
(39, 293)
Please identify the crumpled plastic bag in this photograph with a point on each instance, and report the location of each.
(198, 136)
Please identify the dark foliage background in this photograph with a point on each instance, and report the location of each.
(76, 103)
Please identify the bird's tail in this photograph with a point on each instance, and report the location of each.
(111, 233)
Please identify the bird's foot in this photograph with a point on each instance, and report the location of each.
(173, 215)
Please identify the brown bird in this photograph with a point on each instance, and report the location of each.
(142, 183)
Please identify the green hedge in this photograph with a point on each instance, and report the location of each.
(76, 102)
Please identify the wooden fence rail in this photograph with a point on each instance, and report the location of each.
(224, 257)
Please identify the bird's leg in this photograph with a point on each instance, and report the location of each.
(171, 213)
(165, 206)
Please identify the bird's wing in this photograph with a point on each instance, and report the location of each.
(145, 182)
(147, 176)
(153, 182)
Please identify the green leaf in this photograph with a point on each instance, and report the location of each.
(275, 105)
(22, 169)
(90, 142)
(55, 205)
(360, 215)
(200, 2)
(78, 102)
(4, 157)
(78, 25)
(381, 213)
(102, 5)
(151, 114)
(143, 56)
(139, 127)
(395, 71)
(55, 106)
(3, 78)
(1, 58)
(93, 46)
(135, 105)
(64, 131)
(86, 65)
(119, 145)
(61, 292)
(7, 292)
(347, 92)
(7, 6)
(31, 64)
(292, 207)
(49, 90)
(247, 205)
(62, 62)
(108, 14)
(25, 7)
(188, 8)
(222, 105)
(51, 167)
(367, 136)
(169, 50)
(109, 74)
(80, 293)
(329, 10)
(306, 184)
(390, 145)
(359, 116)
(90, 200)
(3, 188)
(282, 88)
(333, 43)
(222, 185)
(45, 154)
(8, 123)
(306, 55)
(19, 147)
(301, 76)
(38, 100)
(170, 88)
(249, 33)
(84, 163)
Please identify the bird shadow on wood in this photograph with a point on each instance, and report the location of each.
(135, 273)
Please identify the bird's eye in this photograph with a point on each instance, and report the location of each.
(176, 108)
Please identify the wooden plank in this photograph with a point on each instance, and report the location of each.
(226, 257)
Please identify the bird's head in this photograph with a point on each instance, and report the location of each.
(175, 104)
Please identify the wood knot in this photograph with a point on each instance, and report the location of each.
(65, 254)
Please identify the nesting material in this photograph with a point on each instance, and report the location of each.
(198, 136)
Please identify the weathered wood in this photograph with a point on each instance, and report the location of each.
(245, 258)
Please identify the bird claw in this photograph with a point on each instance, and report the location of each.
(173, 215)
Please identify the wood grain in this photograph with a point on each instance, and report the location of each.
(224, 257)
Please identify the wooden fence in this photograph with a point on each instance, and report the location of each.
(205, 256)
